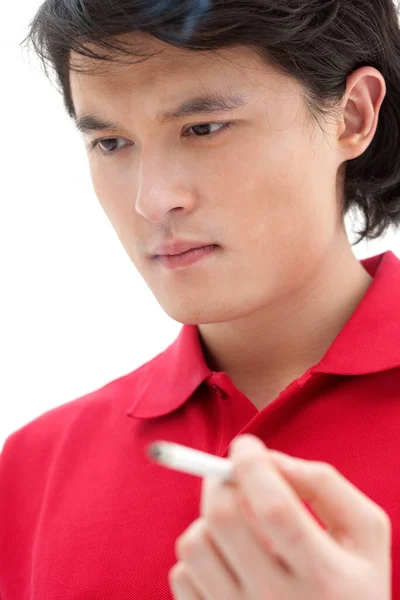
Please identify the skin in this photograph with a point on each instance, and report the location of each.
(254, 539)
(284, 280)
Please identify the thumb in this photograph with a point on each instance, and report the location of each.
(347, 513)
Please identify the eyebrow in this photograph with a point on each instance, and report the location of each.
(207, 103)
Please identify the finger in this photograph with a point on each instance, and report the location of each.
(294, 533)
(343, 508)
(180, 584)
(255, 567)
(207, 568)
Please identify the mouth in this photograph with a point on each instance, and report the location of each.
(187, 258)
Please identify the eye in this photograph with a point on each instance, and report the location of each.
(203, 127)
(112, 144)
(109, 146)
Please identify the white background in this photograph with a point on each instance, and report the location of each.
(74, 312)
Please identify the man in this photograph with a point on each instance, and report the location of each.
(229, 199)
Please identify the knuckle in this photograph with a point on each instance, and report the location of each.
(178, 574)
(280, 517)
(191, 542)
(382, 520)
(323, 472)
(222, 515)
(246, 461)
(275, 512)
(187, 548)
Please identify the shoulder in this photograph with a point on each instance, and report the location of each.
(43, 433)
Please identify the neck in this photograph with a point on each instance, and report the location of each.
(272, 347)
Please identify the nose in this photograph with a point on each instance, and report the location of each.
(164, 185)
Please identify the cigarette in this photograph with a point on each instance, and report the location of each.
(188, 460)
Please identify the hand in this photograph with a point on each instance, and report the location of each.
(255, 539)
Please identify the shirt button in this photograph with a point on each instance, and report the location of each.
(220, 392)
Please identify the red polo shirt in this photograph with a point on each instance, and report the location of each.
(85, 515)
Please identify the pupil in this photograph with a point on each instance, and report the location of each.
(114, 144)
(203, 128)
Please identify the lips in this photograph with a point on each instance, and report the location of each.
(186, 259)
(178, 247)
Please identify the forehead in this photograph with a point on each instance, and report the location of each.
(167, 72)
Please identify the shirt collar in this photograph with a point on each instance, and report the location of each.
(368, 343)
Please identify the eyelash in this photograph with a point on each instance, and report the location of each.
(95, 144)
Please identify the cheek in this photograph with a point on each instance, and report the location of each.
(114, 192)
(265, 210)
(289, 201)
(101, 184)
(279, 220)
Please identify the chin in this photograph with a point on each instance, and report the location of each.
(202, 314)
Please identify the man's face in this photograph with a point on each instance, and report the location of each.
(263, 190)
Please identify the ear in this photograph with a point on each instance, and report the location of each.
(361, 104)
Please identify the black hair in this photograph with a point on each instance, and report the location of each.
(319, 43)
